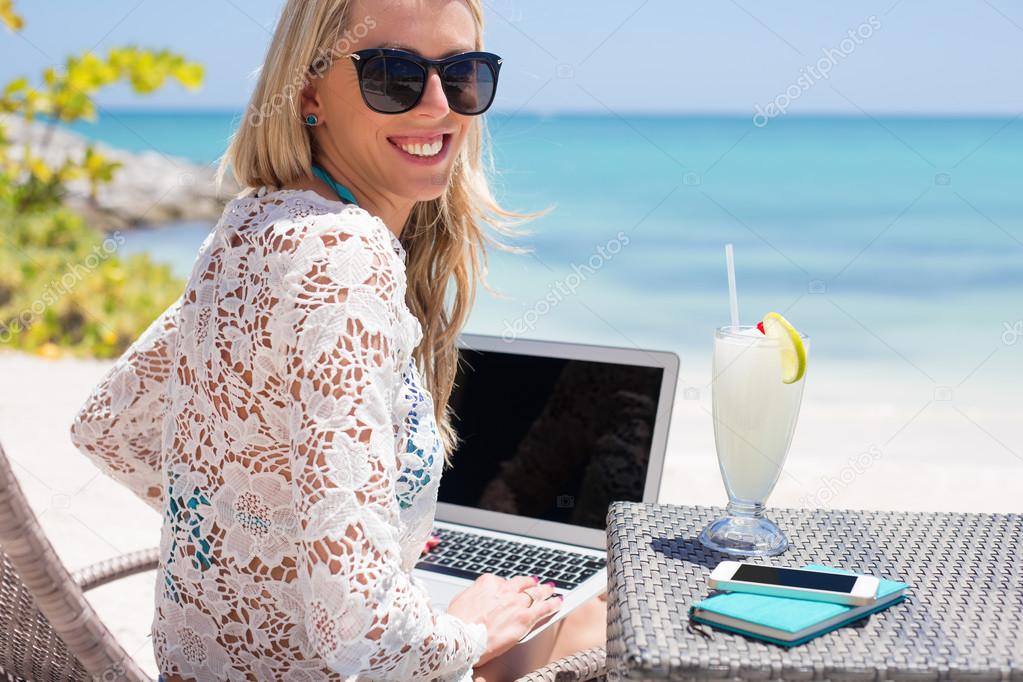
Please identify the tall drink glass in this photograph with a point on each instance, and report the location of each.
(754, 417)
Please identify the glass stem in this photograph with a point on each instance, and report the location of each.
(746, 509)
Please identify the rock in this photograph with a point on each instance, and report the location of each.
(149, 189)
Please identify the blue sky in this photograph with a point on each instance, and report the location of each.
(731, 56)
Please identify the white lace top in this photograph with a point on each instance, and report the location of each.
(274, 416)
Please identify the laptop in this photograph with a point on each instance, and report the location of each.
(549, 435)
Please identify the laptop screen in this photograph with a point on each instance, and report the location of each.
(550, 438)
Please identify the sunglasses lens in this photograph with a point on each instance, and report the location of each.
(391, 84)
(469, 85)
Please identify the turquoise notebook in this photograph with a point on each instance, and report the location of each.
(788, 622)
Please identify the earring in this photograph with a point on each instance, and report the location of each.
(311, 120)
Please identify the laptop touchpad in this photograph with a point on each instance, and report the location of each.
(442, 591)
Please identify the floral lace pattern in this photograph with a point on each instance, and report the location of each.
(275, 417)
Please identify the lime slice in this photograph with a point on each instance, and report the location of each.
(793, 352)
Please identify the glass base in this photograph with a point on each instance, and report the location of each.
(744, 535)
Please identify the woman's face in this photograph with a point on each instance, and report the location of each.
(367, 145)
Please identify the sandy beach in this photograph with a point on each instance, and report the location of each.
(913, 447)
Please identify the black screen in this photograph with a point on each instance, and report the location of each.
(789, 577)
(549, 438)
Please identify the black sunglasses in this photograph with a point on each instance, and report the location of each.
(393, 81)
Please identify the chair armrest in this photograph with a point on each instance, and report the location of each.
(122, 566)
(588, 664)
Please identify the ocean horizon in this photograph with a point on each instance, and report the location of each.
(895, 241)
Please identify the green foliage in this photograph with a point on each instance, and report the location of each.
(64, 288)
(66, 96)
(8, 17)
(62, 285)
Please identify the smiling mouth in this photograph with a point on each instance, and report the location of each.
(422, 147)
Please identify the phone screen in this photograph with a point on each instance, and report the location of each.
(788, 577)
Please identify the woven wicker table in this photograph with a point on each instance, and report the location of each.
(962, 620)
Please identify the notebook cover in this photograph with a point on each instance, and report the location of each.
(790, 615)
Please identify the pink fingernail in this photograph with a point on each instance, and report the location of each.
(550, 583)
(535, 578)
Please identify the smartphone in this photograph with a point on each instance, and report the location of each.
(838, 588)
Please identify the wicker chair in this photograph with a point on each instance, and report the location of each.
(49, 631)
(589, 664)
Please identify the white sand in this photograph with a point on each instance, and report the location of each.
(866, 439)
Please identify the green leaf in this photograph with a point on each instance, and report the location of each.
(189, 75)
(16, 85)
(13, 21)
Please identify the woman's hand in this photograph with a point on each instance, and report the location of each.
(431, 542)
(505, 608)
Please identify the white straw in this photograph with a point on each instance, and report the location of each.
(733, 299)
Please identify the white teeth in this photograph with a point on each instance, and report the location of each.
(424, 149)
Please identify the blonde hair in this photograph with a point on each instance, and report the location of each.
(443, 237)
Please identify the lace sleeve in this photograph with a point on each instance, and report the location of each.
(120, 427)
(365, 615)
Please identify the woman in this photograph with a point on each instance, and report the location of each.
(287, 415)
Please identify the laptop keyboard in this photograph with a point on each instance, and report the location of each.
(468, 555)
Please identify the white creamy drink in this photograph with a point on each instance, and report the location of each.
(755, 412)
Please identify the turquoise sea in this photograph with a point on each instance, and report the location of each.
(890, 241)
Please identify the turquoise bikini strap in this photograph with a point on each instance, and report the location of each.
(342, 192)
